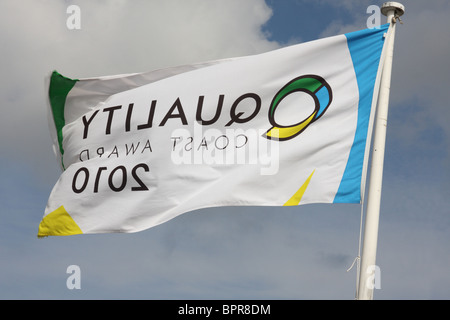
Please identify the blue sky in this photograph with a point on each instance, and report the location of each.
(223, 253)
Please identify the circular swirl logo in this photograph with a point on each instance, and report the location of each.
(313, 85)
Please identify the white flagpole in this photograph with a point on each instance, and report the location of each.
(368, 270)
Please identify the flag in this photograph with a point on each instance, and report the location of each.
(282, 128)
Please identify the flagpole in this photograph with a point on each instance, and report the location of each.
(368, 270)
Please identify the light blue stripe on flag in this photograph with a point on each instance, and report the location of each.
(323, 96)
(365, 48)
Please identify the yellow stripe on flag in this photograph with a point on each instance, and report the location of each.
(297, 197)
(288, 132)
(58, 223)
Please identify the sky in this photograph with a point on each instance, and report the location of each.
(223, 253)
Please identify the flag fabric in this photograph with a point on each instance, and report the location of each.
(286, 127)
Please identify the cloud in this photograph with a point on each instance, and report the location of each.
(299, 252)
(115, 37)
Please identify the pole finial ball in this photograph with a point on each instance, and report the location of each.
(398, 8)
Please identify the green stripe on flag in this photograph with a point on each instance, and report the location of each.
(306, 83)
(58, 90)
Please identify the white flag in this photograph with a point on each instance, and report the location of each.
(286, 127)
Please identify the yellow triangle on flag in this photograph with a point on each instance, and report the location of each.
(297, 197)
(58, 223)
